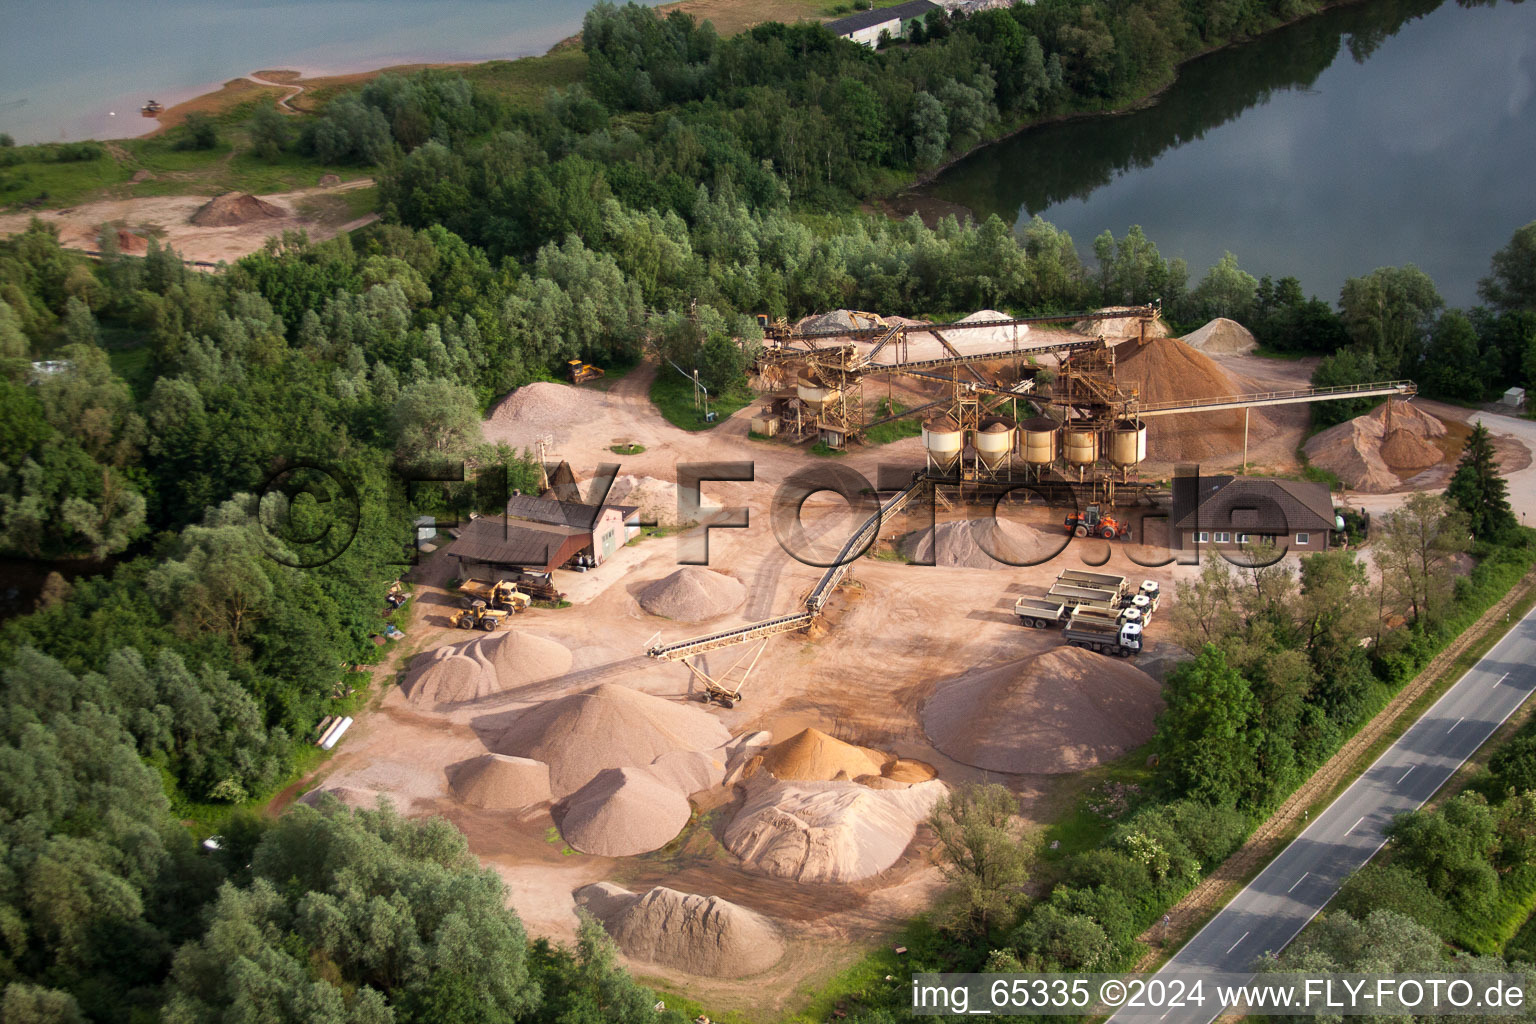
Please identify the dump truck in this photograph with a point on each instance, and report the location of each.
(478, 616)
(1048, 613)
(502, 595)
(1106, 636)
(581, 372)
(1094, 522)
(1076, 594)
(1103, 580)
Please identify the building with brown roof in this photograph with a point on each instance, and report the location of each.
(1229, 511)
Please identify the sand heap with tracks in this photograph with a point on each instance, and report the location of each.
(826, 831)
(485, 666)
(1368, 455)
(497, 782)
(542, 409)
(1222, 337)
(979, 543)
(1062, 711)
(693, 594)
(235, 208)
(702, 935)
(1167, 370)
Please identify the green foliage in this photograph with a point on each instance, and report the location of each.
(986, 857)
(268, 130)
(1388, 313)
(1285, 321)
(1206, 734)
(199, 131)
(1345, 368)
(1511, 283)
(1479, 490)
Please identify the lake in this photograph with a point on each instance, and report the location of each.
(77, 69)
(1383, 133)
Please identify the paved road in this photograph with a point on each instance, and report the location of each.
(1304, 877)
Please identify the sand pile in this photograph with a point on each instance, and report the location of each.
(972, 543)
(1222, 337)
(485, 666)
(608, 726)
(702, 935)
(623, 812)
(1119, 327)
(826, 831)
(656, 498)
(1167, 370)
(544, 408)
(233, 209)
(496, 782)
(812, 754)
(837, 320)
(1366, 457)
(130, 243)
(1062, 711)
(693, 594)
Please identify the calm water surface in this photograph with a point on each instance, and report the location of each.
(67, 65)
(1388, 132)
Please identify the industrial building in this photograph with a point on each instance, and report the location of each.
(865, 26)
(1227, 512)
(544, 534)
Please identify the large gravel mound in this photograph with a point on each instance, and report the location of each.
(693, 594)
(608, 726)
(1222, 337)
(972, 544)
(485, 666)
(623, 812)
(812, 754)
(235, 208)
(1062, 711)
(543, 408)
(826, 831)
(497, 782)
(1120, 327)
(1366, 457)
(1167, 370)
(701, 935)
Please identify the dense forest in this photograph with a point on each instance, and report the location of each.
(174, 667)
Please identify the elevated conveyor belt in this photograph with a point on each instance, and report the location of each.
(814, 603)
(1400, 388)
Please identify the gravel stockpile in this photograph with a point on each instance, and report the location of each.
(623, 812)
(485, 666)
(971, 544)
(496, 782)
(689, 771)
(1167, 370)
(693, 594)
(608, 726)
(826, 831)
(543, 408)
(1362, 453)
(1062, 711)
(812, 754)
(656, 498)
(233, 209)
(701, 935)
(1222, 337)
(1120, 327)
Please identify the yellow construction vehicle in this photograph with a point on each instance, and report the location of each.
(502, 595)
(581, 372)
(477, 615)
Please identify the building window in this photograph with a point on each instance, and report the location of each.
(1203, 537)
(1303, 538)
(1242, 538)
(1223, 537)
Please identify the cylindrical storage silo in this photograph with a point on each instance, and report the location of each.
(1128, 443)
(1042, 440)
(994, 441)
(1081, 445)
(814, 395)
(943, 439)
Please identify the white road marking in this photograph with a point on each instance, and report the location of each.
(1239, 942)
(1356, 824)
(1502, 678)
(1403, 776)
(1454, 724)
(1298, 881)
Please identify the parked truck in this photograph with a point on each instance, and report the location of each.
(500, 595)
(1103, 580)
(1047, 612)
(1107, 636)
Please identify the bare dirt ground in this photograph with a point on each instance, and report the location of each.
(317, 211)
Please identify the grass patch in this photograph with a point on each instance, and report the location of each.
(522, 83)
(672, 394)
(885, 433)
(626, 449)
(825, 451)
(45, 183)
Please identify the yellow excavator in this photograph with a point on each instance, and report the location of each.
(581, 372)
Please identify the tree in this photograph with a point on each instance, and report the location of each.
(1345, 368)
(1512, 283)
(1452, 364)
(1479, 490)
(1204, 736)
(435, 419)
(269, 132)
(1226, 290)
(1416, 544)
(1388, 312)
(202, 132)
(930, 129)
(986, 857)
